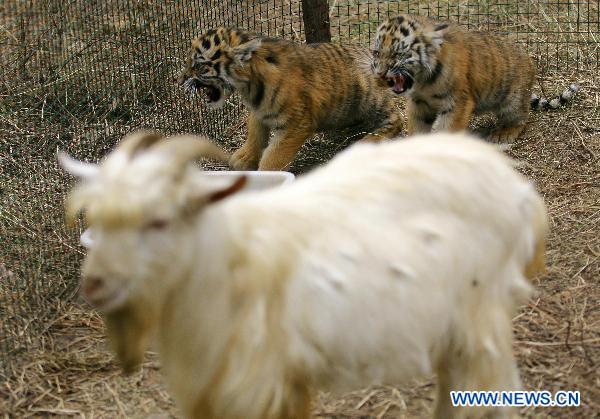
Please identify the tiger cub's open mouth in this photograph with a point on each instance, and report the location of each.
(211, 93)
(400, 83)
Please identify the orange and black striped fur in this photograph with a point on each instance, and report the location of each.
(450, 74)
(289, 89)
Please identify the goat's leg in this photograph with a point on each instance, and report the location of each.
(480, 360)
(300, 406)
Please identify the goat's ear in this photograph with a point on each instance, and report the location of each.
(77, 168)
(218, 192)
(243, 52)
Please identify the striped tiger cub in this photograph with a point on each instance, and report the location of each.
(450, 74)
(290, 90)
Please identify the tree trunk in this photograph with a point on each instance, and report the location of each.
(315, 14)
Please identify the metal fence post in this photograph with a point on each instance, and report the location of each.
(315, 14)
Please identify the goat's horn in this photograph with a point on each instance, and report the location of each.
(136, 141)
(185, 148)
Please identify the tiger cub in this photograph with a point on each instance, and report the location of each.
(293, 90)
(450, 74)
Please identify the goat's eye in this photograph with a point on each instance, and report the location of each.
(156, 225)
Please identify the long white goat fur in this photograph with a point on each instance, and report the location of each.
(393, 261)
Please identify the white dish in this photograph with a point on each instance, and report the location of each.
(256, 181)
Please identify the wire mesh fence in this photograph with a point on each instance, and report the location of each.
(561, 35)
(80, 74)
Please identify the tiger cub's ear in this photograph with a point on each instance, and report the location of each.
(243, 52)
(437, 34)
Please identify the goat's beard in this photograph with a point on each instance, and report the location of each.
(129, 332)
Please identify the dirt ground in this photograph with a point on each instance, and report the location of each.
(72, 374)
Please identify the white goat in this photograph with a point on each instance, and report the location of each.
(393, 261)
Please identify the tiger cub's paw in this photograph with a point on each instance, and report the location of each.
(242, 159)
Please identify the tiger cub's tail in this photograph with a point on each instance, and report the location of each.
(542, 103)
